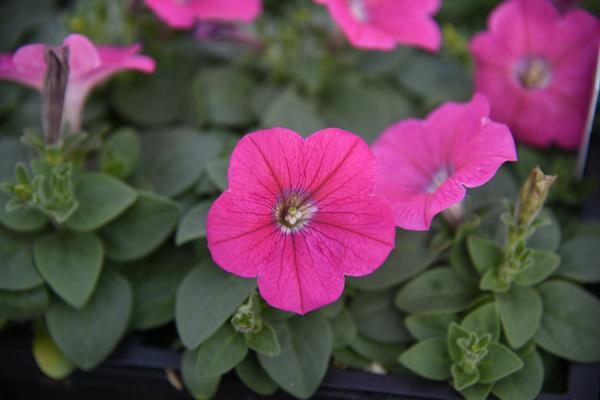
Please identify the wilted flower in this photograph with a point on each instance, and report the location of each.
(300, 214)
(383, 24)
(424, 167)
(183, 14)
(537, 66)
(89, 65)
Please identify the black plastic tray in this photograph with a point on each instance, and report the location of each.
(137, 371)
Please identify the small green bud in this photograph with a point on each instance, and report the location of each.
(532, 197)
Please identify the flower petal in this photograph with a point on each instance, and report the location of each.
(266, 162)
(227, 10)
(29, 65)
(83, 56)
(358, 233)
(173, 13)
(337, 164)
(241, 233)
(299, 277)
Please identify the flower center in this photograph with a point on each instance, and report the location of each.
(533, 73)
(358, 9)
(438, 179)
(293, 210)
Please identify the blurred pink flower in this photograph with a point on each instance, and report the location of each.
(536, 66)
(382, 24)
(424, 167)
(183, 14)
(300, 214)
(89, 65)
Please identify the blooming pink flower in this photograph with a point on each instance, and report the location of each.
(536, 66)
(184, 13)
(425, 167)
(88, 66)
(382, 24)
(300, 214)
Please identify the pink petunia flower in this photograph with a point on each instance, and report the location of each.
(89, 65)
(382, 24)
(183, 14)
(424, 167)
(536, 66)
(300, 214)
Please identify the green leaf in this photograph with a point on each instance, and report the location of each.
(343, 329)
(193, 224)
(429, 325)
(87, 336)
(429, 359)
(333, 309)
(221, 352)
(570, 323)
(217, 172)
(254, 376)
(491, 281)
(70, 263)
(456, 332)
(460, 259)
(483, 320)
(264, 341)
(377, 319)
(461, 380)
(484, 253)
(149, 99)
(578, 257)
(521, 312)
(477, 392)
(141, 229)
(364, 109)
(439, 289)
(155, 281)
(206, 298)
(49, 358)
(499, 363)
(306, 344)
(384, 353)
(226, 94)
(23, 304)
(291, 111)
(346, 357)
(11, 153)
(101, 198)
(17, 270)
(545, 263)
(173, 160)
(546, 237)
(502, 186)
(24, 219)
(199, 388)
(525, 384)
(411, 256)
(436, 79)
(120, 153)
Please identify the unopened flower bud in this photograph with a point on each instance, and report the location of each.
(533, 196)
(53, 92)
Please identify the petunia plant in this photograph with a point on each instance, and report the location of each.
(290, 187)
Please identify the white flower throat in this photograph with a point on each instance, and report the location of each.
(293, 210)
(358, 9)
